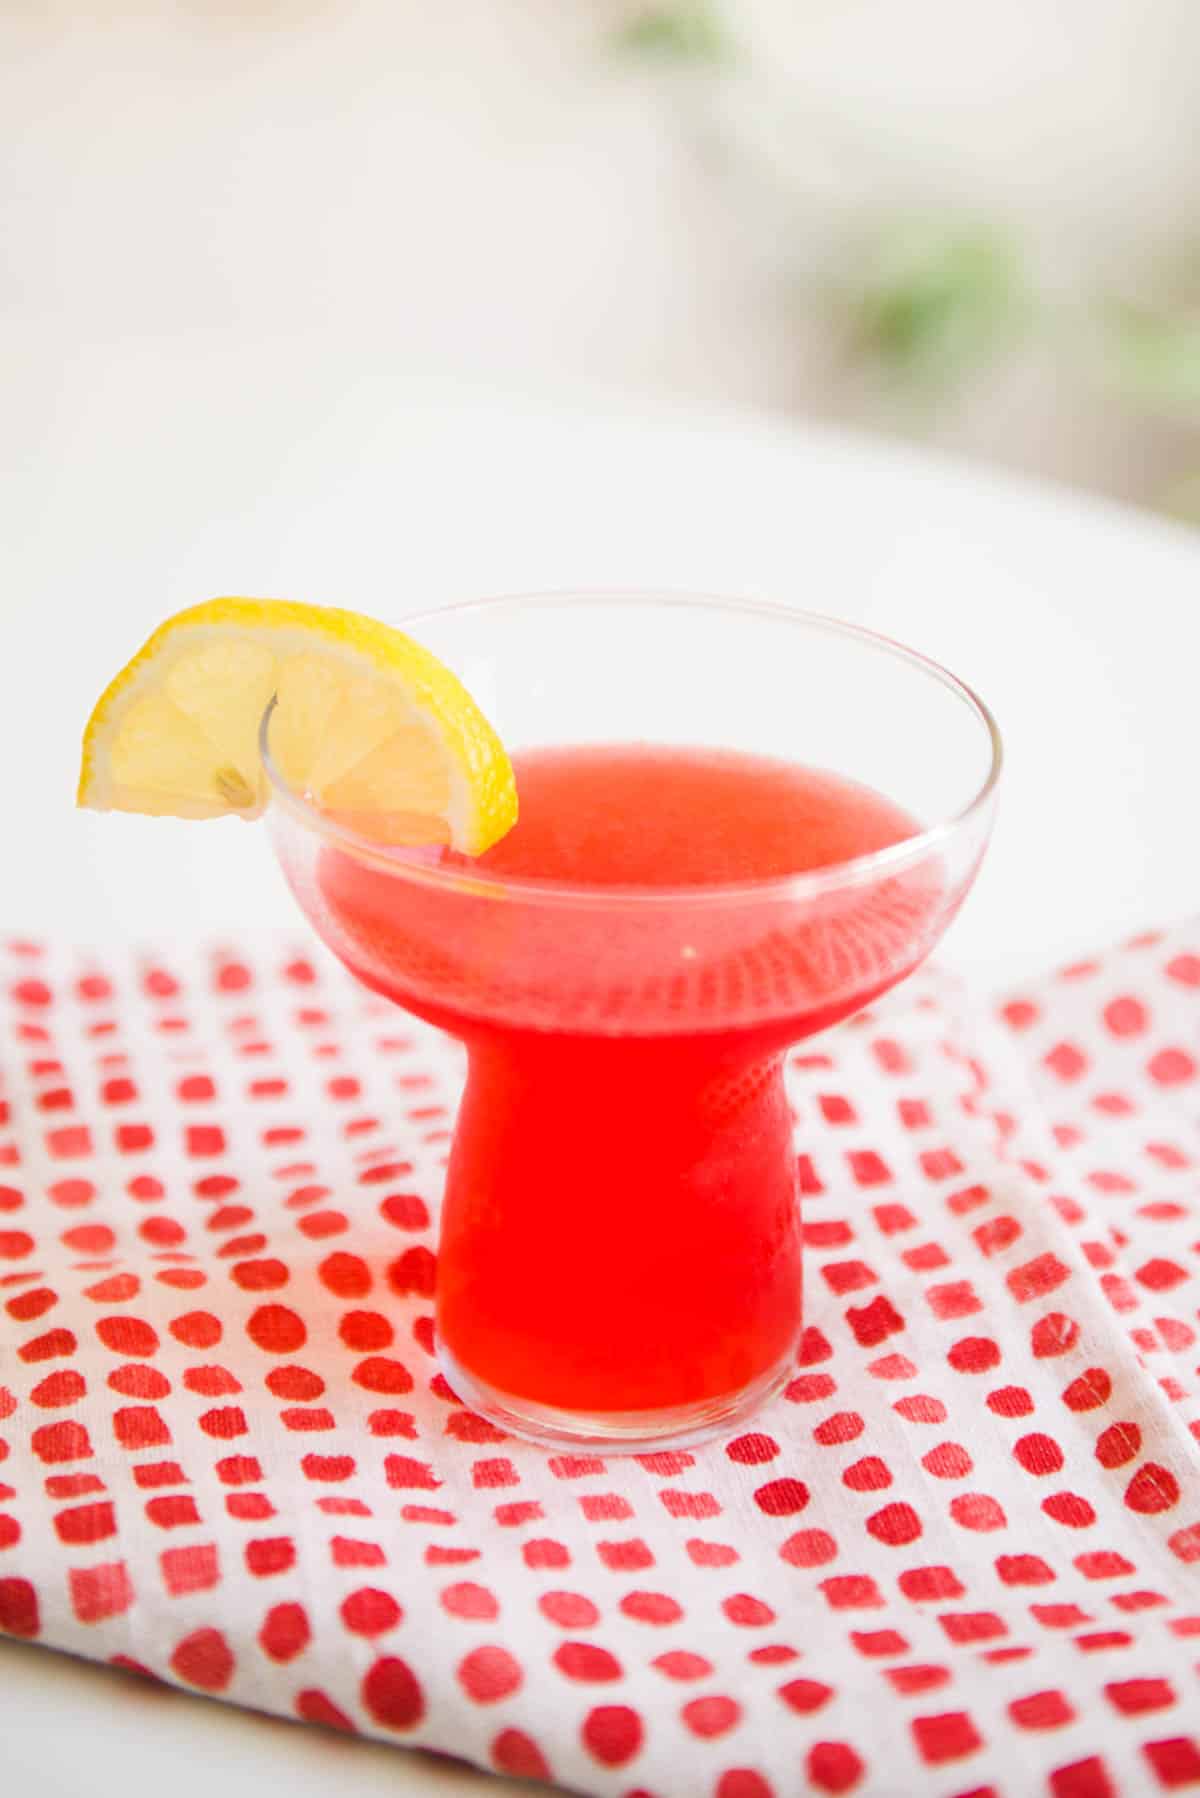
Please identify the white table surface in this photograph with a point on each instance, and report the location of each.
(143, 481)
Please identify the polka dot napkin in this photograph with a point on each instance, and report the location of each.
(960, 1553)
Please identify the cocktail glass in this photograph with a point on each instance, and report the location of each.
(619, 1257)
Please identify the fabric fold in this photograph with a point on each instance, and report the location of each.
(959, 1554)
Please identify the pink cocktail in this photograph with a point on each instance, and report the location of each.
(704, 872)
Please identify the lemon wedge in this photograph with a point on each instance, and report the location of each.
(367, 725)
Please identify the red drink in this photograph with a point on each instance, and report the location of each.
(620, 1231)
(619, 1264)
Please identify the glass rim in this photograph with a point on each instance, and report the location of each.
(811, 884)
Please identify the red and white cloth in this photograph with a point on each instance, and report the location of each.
(960, 1554)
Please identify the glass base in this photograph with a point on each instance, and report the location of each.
(614, 1432)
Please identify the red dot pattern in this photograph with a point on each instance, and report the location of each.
(959, 1552)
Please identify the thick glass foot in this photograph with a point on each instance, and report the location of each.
(617, 1432)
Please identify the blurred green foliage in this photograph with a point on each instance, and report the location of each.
(931, 301)
(1152, 354)
(923, 303)
(687, 32)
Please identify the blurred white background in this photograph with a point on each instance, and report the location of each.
(977, 225)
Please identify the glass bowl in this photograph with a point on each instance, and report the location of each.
(619, 1255)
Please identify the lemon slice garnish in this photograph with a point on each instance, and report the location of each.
(367, 725)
